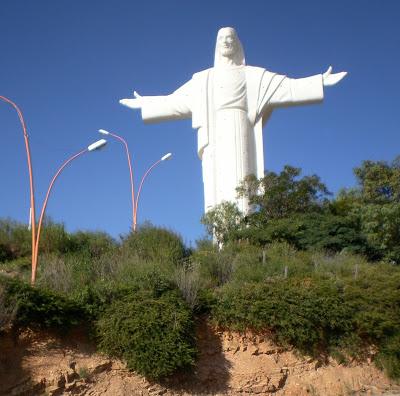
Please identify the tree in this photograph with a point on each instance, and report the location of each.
(321, 230)
(381, 226)
(379, 181)
(278, 196)
(223, 222)
(377, 204)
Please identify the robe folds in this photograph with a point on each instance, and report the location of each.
(230, 142)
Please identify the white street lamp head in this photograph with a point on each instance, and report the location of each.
(166, 157)
(104, 132)
(97, 145)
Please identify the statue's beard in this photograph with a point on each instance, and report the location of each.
(227, 52)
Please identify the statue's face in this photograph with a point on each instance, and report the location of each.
(226, 42)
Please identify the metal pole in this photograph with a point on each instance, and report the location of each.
(121, 139)
(36, 252)
(140, 190)
(31, 186)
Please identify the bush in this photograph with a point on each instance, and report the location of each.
(154, 335)
(215, 267)
(54, 238)
(21, 266)
(15, 240)
(307, 314)
(118, 268)
(5, 252)
(40, 308)
(187, 279)
(339, 304)
(65, 273)
(91, 244)
(7, 309)
(155, 244)
(388, 358)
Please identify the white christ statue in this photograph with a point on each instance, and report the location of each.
(229, 104)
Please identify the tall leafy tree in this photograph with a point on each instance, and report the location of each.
(278, 196)
(379, 181)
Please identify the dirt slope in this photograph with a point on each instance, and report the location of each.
(229, 364)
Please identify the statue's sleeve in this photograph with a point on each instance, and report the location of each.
(298, 91)
(176, 106)
(280, 91)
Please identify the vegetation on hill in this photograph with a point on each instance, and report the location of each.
(363, 220)
(313, 272)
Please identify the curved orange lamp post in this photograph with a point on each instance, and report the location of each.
(121, 139)
(32, 191)
(95, 146)
(134, 201)
(163, 158)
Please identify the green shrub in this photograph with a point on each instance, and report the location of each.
(215, 267)
(8, 309)
(95, 282)
(5, 252)
(40, 308)
(154, 335)
(21, 266)
(248, 265)
(54, 238)
(321, 308)
(96, 298)
(306, 313)
(65, 273)
(187, 280)
(91, 244)
(15, 240)
(388, 358)
(155, 244)
(72, 272)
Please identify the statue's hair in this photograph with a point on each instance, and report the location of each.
(238, 57)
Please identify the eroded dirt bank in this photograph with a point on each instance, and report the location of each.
(229, 364)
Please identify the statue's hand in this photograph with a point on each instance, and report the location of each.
(331, 79)
(133, 103)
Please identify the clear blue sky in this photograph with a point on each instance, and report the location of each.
(67, 63)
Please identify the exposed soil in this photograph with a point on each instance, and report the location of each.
(229, 364)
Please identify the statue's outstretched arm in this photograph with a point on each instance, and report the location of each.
(331, 79)
(175, 106)
(283, 91)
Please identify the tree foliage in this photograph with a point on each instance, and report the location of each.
(376, 203)
(223, 222)
(295, 209)
(278, 196)
(379, 181)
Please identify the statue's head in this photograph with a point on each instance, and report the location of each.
(228, 46)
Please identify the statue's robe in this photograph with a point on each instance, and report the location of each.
(229, 106)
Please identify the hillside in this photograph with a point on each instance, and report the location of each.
(229, 364)
(302, 295)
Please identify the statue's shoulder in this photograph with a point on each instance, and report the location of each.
(201, 74)
(260, 71)
(255, 69)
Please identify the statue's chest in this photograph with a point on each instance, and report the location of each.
(229, 89)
